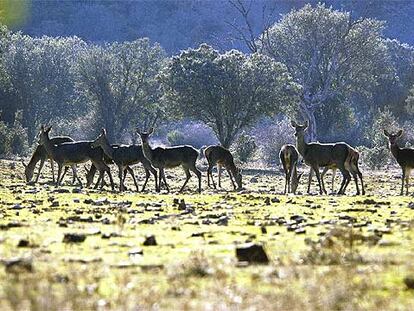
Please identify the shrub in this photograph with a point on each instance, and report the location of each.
(245, 147)
(13, 139)
(376, 157)
(195, 134)
(272, 135)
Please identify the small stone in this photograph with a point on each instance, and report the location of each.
(150, 240)
(254, 180)
(136, 251)
(54, 204)
(74, 238)
(409, 282)
(275, 200)
(181, 205)
(263, 229)
(16, 265)
(23, 243)
(252, 253)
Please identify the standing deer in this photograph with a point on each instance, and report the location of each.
(351, 164)
(70, 153)
(124, 156)
(41, 155)
(289, 157)
(404, 157)
(317, 155)
(220, 156)
(170, 157)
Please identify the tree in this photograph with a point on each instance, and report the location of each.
(119, 79)
(39, 79)
(330, 54)
(228, 92)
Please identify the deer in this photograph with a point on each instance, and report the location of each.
(351, 164)
(317, 155)
(169, 157)
(41, 155)
(70, 153)
(289, 157)
(403, 156)
(124, 156)
(222, 157)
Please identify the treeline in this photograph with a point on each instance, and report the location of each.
(316, 63)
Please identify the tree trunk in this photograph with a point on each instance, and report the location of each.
(309, 115)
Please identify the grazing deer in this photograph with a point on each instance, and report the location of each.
(170, 157)
(351, 164)
(317, 155)
(124, 156)
(41, 155)
(220, 156)
(404, 157)
(289, 157)
(70, 153)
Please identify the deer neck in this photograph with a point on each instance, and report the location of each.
(107, 149)
(395, 149)
(36, 157)
(301, 145)
(50, 148)
(147, 150)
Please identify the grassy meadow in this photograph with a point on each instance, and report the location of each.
(69, 248)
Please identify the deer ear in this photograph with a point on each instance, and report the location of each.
(293, 123)
(399, 133)
(306, 124)
(151, 130)
(386, 133)
(103, 131)
(47, 130)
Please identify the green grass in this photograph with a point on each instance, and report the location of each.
(354, 253)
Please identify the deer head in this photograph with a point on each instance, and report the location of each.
(145, 135)
(100, 140)
(44, 134)
(299, 129)
(392, 138)
(295, 180)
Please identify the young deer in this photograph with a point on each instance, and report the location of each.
(321, 155)
(404, 157)
(351, 164)
(124, 156)
(41, 155)
(220, 156)
(70, 153)
(289, 157)
(170, 157)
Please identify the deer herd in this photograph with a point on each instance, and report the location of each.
(330, 156)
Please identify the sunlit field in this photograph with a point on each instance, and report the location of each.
(69, 248)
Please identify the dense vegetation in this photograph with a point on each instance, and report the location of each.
(335, 68)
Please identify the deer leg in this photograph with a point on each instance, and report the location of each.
(147, 176)
(407, 180)
(58, 175)
(188, 176)
(345, 179)
(111, 180)
(210, 175)
(318, 177)
(154, 172)
(42, 162)
(162, 174)
(231, 178)
(121, 177)
(198, 174)
(52, 166)
(325, 170)
(360, 177)
(355, 176)
(333, 180)
(63, 175)
(131, 172)
(286, 182)
(219, 175)
(310, 179)
(402, 179)
(75, 176)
